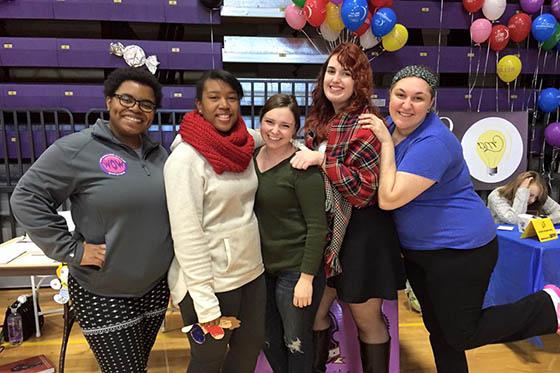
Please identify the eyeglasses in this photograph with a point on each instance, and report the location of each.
(128, 101)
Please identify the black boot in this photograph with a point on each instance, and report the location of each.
(321, 340)
(375, 356)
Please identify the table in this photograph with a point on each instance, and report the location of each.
(29, 264)
(524, 266)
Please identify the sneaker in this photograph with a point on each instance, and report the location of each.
(554, 292)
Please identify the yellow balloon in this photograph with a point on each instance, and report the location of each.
(396, 39)
(333, 17)
(509, 68)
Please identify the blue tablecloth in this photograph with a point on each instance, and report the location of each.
(524, 266)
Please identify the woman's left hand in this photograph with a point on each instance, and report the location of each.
(305, 158)
(303, 291)
(376, 125)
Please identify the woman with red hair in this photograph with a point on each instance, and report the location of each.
(362, 259)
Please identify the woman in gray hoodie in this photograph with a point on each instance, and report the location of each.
(121, 248)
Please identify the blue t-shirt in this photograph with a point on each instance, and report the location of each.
(449, 214)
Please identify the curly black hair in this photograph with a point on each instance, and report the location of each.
(136, 74)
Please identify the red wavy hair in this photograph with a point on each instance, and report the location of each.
(351, 57)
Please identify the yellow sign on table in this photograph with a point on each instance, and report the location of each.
(542, 228)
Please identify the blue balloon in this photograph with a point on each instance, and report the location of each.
(549, 99)
(353, 13)
(543, 27)
(383, 22)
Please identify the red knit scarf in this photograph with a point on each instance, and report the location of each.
(230, 151)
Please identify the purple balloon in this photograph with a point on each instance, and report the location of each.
(337, 2)
(555, 9)
(552, 134)
(531, 6)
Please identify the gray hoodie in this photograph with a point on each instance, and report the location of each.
(117, 198)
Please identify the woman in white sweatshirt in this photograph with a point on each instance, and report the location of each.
(527, 193)
(217, 271)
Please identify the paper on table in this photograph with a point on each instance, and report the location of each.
(29, 246)
(9, 253)
(34, 260)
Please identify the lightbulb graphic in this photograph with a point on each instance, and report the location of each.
(490, 147)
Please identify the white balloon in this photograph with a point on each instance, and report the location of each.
(328, 33)
(493, 9)
(368, 40)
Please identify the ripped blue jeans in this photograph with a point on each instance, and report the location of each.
(289, 329)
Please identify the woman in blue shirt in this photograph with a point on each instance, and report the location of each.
(447, 234)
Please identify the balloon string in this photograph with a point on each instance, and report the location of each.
(471, 88)
(525, 58)
(212, 36)
(311, 41)
(439, 50)
(483, 78)
(470, 69)
(509, 96)
(534, 81)
(497, 59)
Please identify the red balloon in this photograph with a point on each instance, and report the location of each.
(381, 3)
(315, 11)
(499, 37)
(472, 6)
(519, 26)
(364, 27)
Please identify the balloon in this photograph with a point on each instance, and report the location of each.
(552, 41)
(299, 3)
(337, 2)
(315, 12)
(294, 17)
(499, 37)
(480, 30)
(555, 8)
(531, 6)
(543, 26)
(333, 17)
(380, 3)
(519, 26)
(396, 39)
(328, 33)
(552, 134)
(383, 21)
(367, 40)
(493, 9)
(549, 100)
(472, 6)
(353, 13)
(365, 26)
(508, 68)
(211, 4)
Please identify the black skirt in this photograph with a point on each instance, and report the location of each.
(370, 257)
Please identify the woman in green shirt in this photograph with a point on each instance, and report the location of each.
(290, 207)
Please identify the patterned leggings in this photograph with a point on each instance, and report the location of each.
(120, 331)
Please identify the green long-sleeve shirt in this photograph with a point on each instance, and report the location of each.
(290, 207)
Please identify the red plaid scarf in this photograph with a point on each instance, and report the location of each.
(230, 151)
(351, 178)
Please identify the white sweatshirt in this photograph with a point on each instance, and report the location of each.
(505, 213)
(215, 232)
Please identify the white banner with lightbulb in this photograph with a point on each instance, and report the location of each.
(494, 144)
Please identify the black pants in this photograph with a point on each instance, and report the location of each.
(450, 285)
(247, 303)
(120, 331)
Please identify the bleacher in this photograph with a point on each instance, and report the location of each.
(55, 54)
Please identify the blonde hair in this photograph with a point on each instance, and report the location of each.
(508, 191)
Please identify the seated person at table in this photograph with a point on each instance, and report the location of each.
(527, 193)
